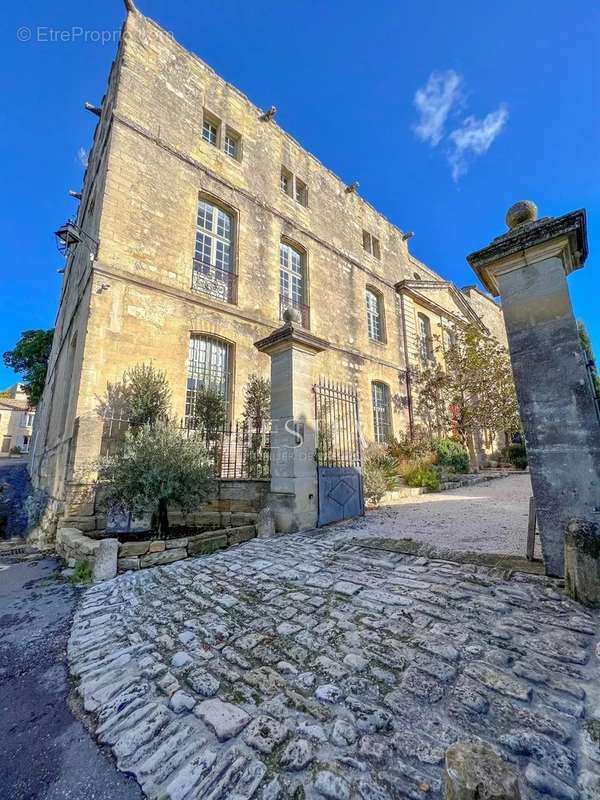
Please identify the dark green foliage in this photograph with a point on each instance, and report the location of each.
(210, 410)
(82, 573)
(586, 344)
(422, 475)
(147, 395)
(158, 465)
(257, 402)
(517, 455)
(29, 358)
(256, 416)
(452, 454)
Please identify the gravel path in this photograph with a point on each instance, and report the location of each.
(490, 517)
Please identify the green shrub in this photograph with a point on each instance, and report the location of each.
(452, 454)
(82, 573)
(517, 455)
(379, 473)
(422, 475)
(416, 448)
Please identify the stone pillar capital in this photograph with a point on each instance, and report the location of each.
(530, 240)
(291, 336)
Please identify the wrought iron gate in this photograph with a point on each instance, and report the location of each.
(338, 452)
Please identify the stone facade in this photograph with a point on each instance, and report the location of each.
(127, 296)
(16, 421)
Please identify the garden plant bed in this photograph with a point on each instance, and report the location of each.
(141, 550)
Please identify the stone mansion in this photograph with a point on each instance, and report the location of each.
(200, 221)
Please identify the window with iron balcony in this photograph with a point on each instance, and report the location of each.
(212, 269)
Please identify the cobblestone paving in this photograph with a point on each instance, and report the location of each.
(297, 668)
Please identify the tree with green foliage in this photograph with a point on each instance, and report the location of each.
(256, 414)
(586, 344)
(210, 410)
(29, 358)
(146, 394)
(257, 402)
(471, 390)
(158, 466)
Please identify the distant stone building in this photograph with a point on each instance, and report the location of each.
(200, 221)
(16, 421)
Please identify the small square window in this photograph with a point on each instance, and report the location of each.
(287, 181)
(232, 144)
(301, 193)
(371, 244)
(210, 129)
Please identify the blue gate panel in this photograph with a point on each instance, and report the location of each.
(340, 494)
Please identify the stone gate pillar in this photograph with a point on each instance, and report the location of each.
(528, 267)
(294, 489)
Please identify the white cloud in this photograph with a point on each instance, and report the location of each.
(434, 102)
(82, 157)
(473, 138)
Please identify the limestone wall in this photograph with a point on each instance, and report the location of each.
(130, 301)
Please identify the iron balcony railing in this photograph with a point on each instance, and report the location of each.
(213, 281)
(290, 302)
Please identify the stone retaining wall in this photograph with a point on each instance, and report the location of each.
(74, 547)
(153, 552)
(234, 502)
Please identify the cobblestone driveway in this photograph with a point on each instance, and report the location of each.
(301, 668)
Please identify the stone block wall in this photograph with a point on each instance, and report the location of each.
(154, 552)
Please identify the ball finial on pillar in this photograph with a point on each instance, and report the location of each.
(522, 212)
(291, 315)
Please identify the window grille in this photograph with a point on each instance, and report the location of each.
(209, 366)
(381, 411)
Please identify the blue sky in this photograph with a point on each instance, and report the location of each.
(508, 109)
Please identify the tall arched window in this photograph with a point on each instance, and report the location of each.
(292, 288)
(209, 366)
(382, 423)
(375, 315)
(213, 257)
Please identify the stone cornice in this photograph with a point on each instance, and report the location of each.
(290, 335)
(565, 237)
(417, 289)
